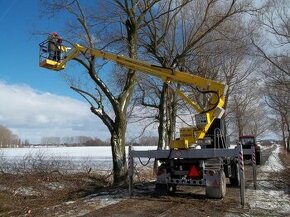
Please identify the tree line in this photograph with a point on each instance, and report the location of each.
(244, 43)
(8, 139)
(93, 141)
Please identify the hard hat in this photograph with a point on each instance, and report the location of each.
(54, 33)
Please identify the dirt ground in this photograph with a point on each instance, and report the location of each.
(271, 198)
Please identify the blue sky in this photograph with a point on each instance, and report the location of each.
(20, 20)
(36, 102)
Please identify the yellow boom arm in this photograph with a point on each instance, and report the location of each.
(203, 119)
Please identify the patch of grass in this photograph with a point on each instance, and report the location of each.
(34, 183)
(21, 193)
(144, 174)
(6, 202)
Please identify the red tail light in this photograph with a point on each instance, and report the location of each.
(194, 172)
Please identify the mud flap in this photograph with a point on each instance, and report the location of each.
(161, 189)
(215, 184)
(235, 179)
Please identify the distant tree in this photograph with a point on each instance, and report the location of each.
(26, 143)
(274, 49)
(81, 140)
(148, 141)
(68, 140)
(7, 138)
(95, 142)
(278, 99)
(246, 113)
(51, 140)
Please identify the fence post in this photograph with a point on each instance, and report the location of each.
(242, 173)
(130, 170)
(254, 166)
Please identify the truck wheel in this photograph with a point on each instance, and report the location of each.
(217, 192)
(161, 189)
(258, 158)
(171, 189)
(235, 179)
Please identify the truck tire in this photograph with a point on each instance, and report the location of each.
(161, 189)
(217, 192)
(171, 189)
(235, 178)
(258, 158)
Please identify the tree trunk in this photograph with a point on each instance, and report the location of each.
(288, 137)
(171, 118)
(162, 142)
(119, 154)
(118, 135)
(283, 135)
(162, 135)
(239, 126)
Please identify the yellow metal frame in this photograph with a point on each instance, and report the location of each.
(165, 74)
(50, 64)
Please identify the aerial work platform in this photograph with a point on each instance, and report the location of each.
(47, 58)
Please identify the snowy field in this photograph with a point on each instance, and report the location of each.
(97, 157)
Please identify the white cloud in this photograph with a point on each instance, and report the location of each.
(32, 114)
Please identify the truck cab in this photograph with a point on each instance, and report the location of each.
(247, 141)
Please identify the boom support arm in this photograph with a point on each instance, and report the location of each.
(204, 119)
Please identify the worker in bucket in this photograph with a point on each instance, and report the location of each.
(54, 47)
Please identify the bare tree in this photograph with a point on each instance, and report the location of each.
(7, 138)
(246, 112)
(148, 141)
(113, 25)
(68, 140)
(274, 49)
(176, 42)
(50, 140)
(275, 21)
(278, 99)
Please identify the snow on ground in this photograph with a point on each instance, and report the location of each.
(269, 199)
(73, 152)
(96, 157)
(273, 164)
